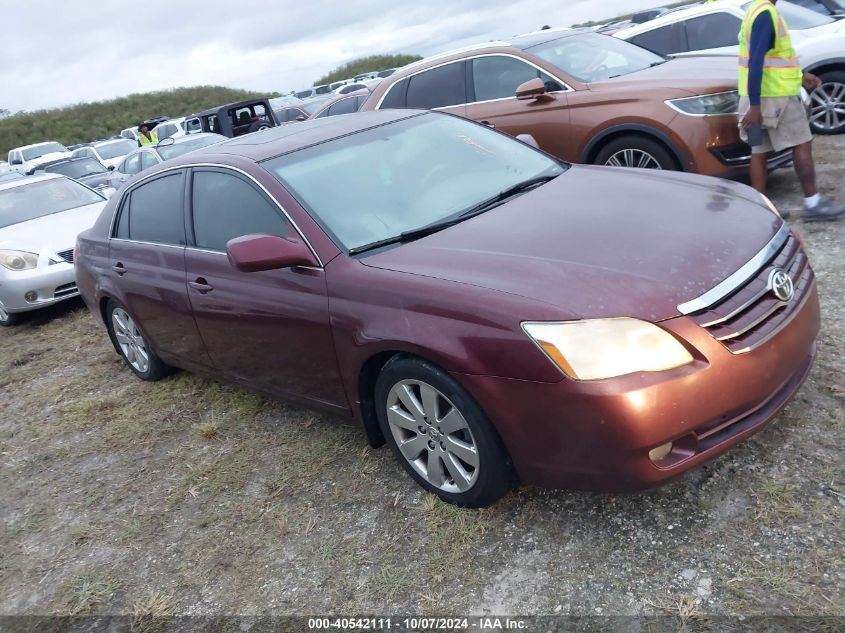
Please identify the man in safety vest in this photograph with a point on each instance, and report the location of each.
(146, 137)
(770, 80)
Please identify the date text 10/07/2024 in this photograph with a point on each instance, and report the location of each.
(414, 624)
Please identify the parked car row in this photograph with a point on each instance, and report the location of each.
(368, 79)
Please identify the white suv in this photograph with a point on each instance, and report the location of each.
(109, 152)
(712, 28)
(25, 159)
(173, 128)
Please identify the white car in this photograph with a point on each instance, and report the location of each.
(712, 28)
(40, 217)
(131, 133)
(151, 155)
(109, 153)
(25, 159)
(174, 128)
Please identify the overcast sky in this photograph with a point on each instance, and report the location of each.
(59, 52)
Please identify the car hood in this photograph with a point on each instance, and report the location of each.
(698, 76)
(46, 158)
(96, 180)
(601, 242)
(52, 233)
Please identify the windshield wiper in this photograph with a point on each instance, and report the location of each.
(476, 209)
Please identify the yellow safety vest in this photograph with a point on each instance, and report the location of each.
(782, 74)
(143, 140)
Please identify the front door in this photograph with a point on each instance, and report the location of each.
(270, 328)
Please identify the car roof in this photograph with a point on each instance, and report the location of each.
(26, 180)
(22, 147)
(109, 141)
(60, 161)
(290, 138)
(676, 13)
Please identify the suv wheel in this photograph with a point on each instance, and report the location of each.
(827, 104)
(635, 151)
(440, 435)
(130, 344)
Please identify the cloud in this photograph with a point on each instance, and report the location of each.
(88, 50)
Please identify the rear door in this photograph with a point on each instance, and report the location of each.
(270, 329)
(493, 80)
(147, 266)
(441, 88)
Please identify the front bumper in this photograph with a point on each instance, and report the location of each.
(597, 435)
(51, 284)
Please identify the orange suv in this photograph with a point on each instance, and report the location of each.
(587, 98)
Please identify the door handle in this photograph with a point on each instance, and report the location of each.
(201, 286)
(119, 269)
(488, 124)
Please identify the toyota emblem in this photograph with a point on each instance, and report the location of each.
(781, 285)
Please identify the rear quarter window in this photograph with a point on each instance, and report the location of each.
(154, 211)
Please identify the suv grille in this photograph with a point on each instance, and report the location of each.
(66, 255)
(752, 314)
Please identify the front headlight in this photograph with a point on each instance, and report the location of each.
(606, 348)
(707, 105)
(771, 205)
(18, 260)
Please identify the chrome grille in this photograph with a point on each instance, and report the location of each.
(66, 255)
(752, 314)
(65, 291)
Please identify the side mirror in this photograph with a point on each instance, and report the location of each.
(254, 253)
(528, 140)
(301, 117)
(110, 167)
(16, 161)
(531, 89)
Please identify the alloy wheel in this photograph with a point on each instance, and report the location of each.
(433, 436)
(827, 106)
(633, 158)
(131, 343)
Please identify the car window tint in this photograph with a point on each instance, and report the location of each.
(226, 207)
(155, 211)
(132, 164)
(148, 160)
(498, 77)
(395, 97)
(347, 106)
(713, 31)
(438, 87)
(663, 41)
(122, 228)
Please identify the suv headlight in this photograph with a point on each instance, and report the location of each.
(607, 348)
(18, 260)
(707, 105)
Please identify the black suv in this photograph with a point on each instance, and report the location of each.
(234, 119)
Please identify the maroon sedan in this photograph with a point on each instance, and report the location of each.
(492, 313)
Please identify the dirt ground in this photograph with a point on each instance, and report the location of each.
(193, 498)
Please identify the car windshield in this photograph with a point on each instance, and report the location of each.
(45, 197)
(177, 149)
(116, 149)
(313, 106)
(40, 150)
(590, 57)
(77, 168)
(799, 18)
(382, 182)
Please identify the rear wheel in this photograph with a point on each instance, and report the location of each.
(130, 344)
(440, 435)
(635, 151)
(827, 104)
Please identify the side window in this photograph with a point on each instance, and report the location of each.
(713, 31)
(359, 101)
(132, 165)
(225, 207)
(438, 87)
(665, 40)
(122, 229)
(155, 211)
(148, 160)
(347, 106)
(498, 77)
(395, 97)
(193, 125)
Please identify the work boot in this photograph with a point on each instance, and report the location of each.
(824, 210)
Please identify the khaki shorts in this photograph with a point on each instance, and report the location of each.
(785, 123)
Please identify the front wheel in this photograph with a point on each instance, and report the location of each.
(635, 151)
(827, 104)
(131, 345)
(440, 435)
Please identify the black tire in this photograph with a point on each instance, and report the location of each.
(10, 319)
(494, 474)
(640, 145)
(259, 125)
(833, 83)
(156, 369)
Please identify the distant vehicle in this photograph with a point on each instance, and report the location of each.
(109, 153)
(40, 217)
(313, 92)
(152, 155)
(173, 128)
(353, 87)
(4, 167)
(234, 119)
(132, 132)
(277, 103)
(833, 8)
(365, 76)
(89, 171)
(338, 84)
(343, 104)
(25, 159)
(711, 28)
(301, 111)
(386, 73)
